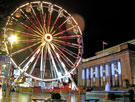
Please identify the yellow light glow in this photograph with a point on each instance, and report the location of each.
(12, 39)
(18, 14)
(28, 8)
(4, 66)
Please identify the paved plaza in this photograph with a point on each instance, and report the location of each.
(28, 96)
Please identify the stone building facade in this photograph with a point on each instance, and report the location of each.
(115, 65)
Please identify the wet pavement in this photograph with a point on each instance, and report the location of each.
(28, 96)
(70, 97)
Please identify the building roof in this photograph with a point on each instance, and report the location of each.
(111, 50)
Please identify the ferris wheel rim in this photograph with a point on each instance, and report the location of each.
(78, 59)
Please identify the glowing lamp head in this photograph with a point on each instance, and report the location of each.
(4, 66)
(12, 39)
(48, 37)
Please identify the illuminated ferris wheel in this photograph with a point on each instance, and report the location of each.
(49, 45)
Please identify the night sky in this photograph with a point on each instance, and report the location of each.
(109, 21)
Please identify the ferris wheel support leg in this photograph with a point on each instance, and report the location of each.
(74, 86)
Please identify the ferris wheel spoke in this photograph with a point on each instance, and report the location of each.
(68, 37)
(33, 52)
(36, 18)
(32, 69)
(59, 27)
(21, 50)
(30, 35)
(60, 64)
(69, 52)
(26, 66)
(53, 71)
(50, 10)
(67, 60)
(64, 22)
(29, 40)
(30, 29)
(35, 21)
(59, 61)
(58, 16)
(64, 56)
(63, 31)
(42, 64)
(49, 20)
(73, 45)
(53, 62)
(27, 27)
(23, 33)
(42, 8)
(54, 24)
(44, 23)
(34, 25)
(42, 15)
(42, 28)
(36, 52)
(45, 56)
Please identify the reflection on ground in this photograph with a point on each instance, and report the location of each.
(26, 97)
(70, 97)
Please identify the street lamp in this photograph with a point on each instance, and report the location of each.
(11, 40)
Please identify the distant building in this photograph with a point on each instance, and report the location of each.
(115, 65)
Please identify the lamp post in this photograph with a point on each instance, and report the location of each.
(11, 40)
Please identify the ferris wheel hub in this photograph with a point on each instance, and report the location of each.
(48, 37)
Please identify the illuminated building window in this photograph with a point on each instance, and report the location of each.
(113, 69)
(107, 71)
(119, 67)
(83, 74)
(87, 73)
(101, 71)
(96, 72)
(91, 72)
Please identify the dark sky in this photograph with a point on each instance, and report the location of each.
(109, 21)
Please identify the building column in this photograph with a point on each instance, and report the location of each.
(91, 82)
